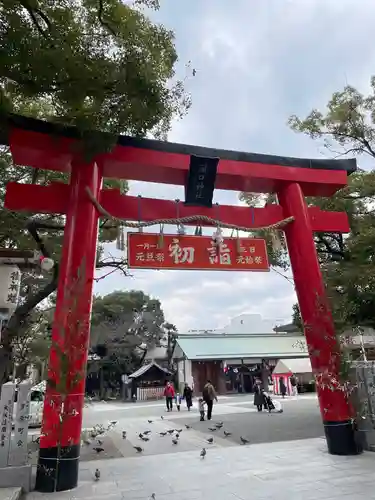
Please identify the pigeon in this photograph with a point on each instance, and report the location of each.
(175, 441)
(153, 496)
(113, 422)
(161, 416)
(188, 426)
(100, 442)
(98, 449)
(149, 421)
(219, 426)
(177, 436)
(138, 448)
(212, 429)
(140, 435)
(145, 438)
(179, 431)
(170, 431)
(210, 440)
(86, 441)
(123, 434)
(162, 433)
(203, 452)
(97, 474)
(244, 441)
(146, 433)
(226, 433)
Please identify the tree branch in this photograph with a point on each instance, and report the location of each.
(365, 143)
(25, 4)
(116, 264)
(101, 20)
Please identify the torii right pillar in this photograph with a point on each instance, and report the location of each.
(324, 350)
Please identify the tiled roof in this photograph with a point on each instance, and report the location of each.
(143, 369)
(237, 346)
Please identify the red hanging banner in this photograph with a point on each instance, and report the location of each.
(151, 251)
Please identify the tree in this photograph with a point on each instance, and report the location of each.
(124, 326)
(296, 317)
(32, 344)
(347, 262)
(98, 65)
(346, 128)
(171, 334)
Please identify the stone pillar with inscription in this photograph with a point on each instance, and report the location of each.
(6, 417)
(18, 448)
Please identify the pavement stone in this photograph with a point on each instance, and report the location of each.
(10, 493)
(284, 471)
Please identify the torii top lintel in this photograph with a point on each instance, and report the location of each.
(34, 143)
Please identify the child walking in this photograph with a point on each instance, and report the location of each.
(201, 408)
(178, 401)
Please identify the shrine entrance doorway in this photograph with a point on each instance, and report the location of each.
(41, 145)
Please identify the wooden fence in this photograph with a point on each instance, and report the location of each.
(147, 393)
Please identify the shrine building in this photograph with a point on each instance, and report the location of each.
(233, 356)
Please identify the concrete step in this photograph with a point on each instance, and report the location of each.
(10, 493)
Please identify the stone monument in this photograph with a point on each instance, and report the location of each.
(14, 467)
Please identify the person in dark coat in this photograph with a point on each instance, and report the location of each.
(258, 395)
(282, 387)
(188, 395)
(294, 383)
(209, 395)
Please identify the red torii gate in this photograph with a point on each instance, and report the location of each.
(42, 145)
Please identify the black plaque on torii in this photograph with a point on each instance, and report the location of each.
(200, 186)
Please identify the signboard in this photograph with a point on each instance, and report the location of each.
(200, 185)
(196, 253)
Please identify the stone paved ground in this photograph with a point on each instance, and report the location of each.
(297, 470)
(301, 419)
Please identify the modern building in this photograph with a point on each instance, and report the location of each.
(360, 340)
(233, 356)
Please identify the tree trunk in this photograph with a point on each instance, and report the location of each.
(6, 362)
(101, 383)
(10, 330)
(21, 371)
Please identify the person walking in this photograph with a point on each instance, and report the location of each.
(282, 387)
(294, 384)
(169, 395)
(188, 395)
(201, 404)
(178, 399)
(258, 395)
(209, 395)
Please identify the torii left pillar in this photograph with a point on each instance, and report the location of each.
(62, 415)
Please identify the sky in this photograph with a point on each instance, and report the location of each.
(257, 63)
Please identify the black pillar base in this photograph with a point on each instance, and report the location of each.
(57, 469)
(341, 438)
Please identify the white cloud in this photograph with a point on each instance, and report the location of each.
(257, 62)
